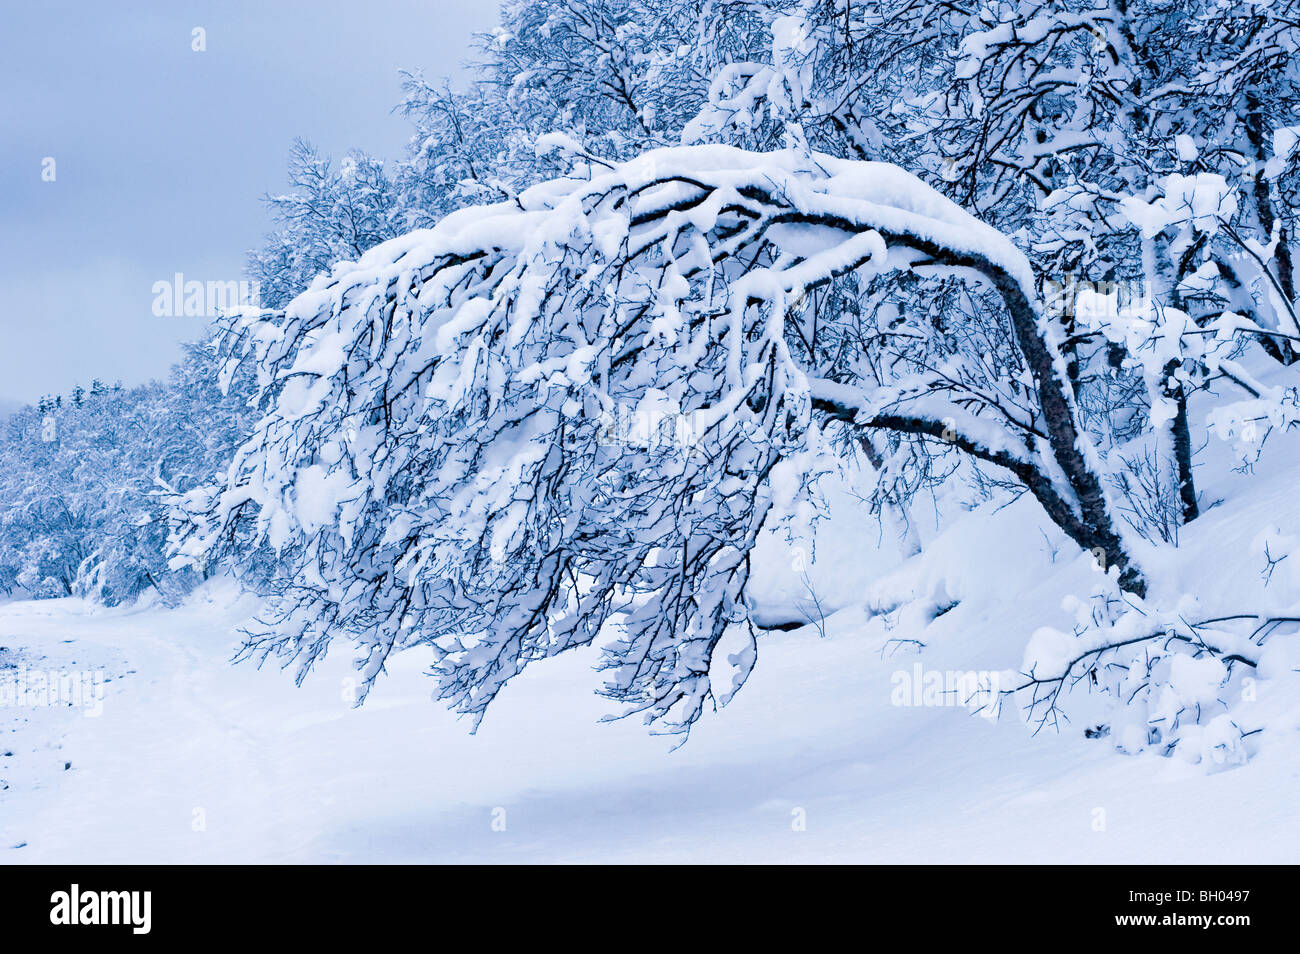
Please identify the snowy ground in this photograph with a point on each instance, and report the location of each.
(194, 760)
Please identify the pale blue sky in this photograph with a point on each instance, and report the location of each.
(162, 153)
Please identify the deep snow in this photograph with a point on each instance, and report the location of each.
(195, 760)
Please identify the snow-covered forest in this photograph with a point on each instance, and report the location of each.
(872, 424)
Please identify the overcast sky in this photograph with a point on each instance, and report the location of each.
(161, 154)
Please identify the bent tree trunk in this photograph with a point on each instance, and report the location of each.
(1089, 523)
(1095, 529)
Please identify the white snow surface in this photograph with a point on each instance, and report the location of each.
(196, 760)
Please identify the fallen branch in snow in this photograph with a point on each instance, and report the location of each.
(1179, 667)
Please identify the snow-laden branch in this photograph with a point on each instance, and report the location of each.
(443, 459)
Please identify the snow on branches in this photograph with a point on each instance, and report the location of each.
(440, 462)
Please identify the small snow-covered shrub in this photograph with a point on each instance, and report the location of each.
(1168, 684)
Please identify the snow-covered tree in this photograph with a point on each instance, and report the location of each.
(442, 455)
(697, 275)
(334, 213)
(618, 76)
(1140, 148)
(85, 486)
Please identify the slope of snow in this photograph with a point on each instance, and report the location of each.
(193, 760)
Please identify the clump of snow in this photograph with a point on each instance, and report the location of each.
(1204, 201)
